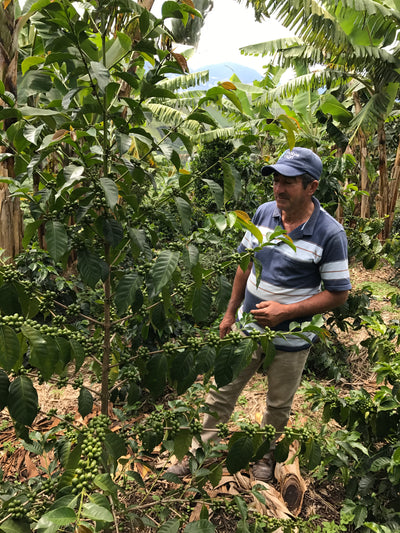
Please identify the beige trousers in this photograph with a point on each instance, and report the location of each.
(284, 377)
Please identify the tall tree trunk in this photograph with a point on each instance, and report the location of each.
(394, 188)
(148, 4)
(11, 227)
(362, 144)
(383, 179)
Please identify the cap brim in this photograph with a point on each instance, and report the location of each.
(281, 168)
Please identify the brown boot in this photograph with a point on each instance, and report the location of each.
(180, 469)
(263, 470)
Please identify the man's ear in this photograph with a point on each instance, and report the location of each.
(313, 186)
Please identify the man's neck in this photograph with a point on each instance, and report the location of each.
(292, 220)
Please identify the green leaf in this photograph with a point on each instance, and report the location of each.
(229, 181)
(106, 484)
(4, 387)
(381, 463)
(215, 474)
(29, 305)
(119, 48)
(215, 94)
(23, 401)
(191, 256)
(95, 512)
(239, 454)
(44, 352)
(77, 353)
(245, 222)
(28, 112)
(201, 304)
(124, 142)
(332, 106)
(91, 267)
(182, 442)
(125, 292)
(171, 526)
(201, 526)
(32, 133)
(223, 294)
(217, 192)
(101, 74)
(203, 117)
(163, 269)
(85, 402)
(136, 477)
(313, 454)
(223, 372)
(62, 516)
(220, 222)
(183, 371)
(144, 21)
(139, 243)
(281, 451)
(204, 359)
(360, 515)
(9, 301)
(110, 190)
(44, 355)
(63, 451)
(56, 239)
(269, 350)
(156, 374)
(63, 350)
(241, 506)
(9, 348)
(112, 231)
(18, 526)
(185, 212)
(148, 90)
(30, 231)
(115, 445)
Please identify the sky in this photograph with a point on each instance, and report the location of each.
(228, 27)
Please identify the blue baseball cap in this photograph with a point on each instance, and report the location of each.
(296, 162)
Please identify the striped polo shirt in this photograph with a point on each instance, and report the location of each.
(318, 262)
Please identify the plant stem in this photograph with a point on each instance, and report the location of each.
(107, 338)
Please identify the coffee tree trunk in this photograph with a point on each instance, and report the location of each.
(11, 228)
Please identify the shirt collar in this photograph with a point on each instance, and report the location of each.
(308, 227)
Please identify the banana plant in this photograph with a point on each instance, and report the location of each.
(350, 44)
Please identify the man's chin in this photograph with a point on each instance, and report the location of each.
(281, 201)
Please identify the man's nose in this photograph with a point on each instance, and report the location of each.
(279, 186)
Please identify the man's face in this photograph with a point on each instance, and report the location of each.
(290, 195)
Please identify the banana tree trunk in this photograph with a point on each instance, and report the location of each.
(147, 4)
(11, 226)
(394, 188)
(384, 203)
(364, 181)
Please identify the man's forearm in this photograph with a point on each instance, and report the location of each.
(319, 303)
(238, 289)
(270, 313)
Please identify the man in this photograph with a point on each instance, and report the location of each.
(295, 285)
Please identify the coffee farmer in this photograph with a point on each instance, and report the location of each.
(295, 285)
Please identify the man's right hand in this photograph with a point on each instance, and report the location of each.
(226, 325)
